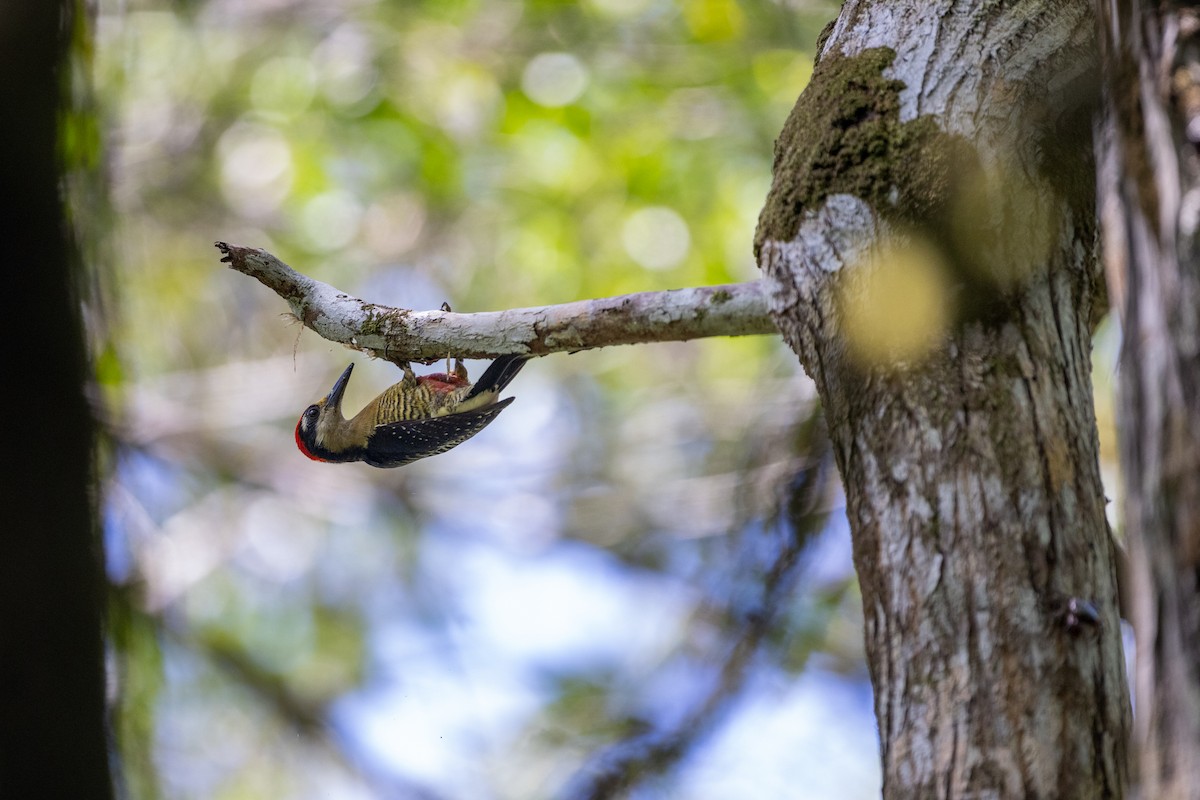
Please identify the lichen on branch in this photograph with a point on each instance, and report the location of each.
(401, 335)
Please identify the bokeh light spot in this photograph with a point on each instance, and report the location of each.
(331, 220)
(467, 102)
(344, 67)
(896, 307)
(393, 224)
(656, 237)
(554, 79)
(283, 87)
(697, 113)
(555, 157)
(256, 168)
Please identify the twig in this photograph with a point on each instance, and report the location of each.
(401, 335)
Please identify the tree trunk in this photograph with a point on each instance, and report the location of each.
(1150, 188)
(929, 244)
(52, 715)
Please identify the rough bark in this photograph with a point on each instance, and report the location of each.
(1150, 191)
(953, 133)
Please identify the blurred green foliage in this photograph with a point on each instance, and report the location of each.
(510, 151)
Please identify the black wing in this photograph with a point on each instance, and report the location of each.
(398, 443)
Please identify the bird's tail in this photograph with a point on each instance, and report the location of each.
(498, 375)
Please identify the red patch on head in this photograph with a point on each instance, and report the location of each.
(300, 443)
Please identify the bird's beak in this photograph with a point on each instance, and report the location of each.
(334, 399)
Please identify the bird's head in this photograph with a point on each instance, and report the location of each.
(319, 431)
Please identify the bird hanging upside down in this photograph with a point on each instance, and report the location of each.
(415, 418)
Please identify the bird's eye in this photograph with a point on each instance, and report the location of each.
(309, 417)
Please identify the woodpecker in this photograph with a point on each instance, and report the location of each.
(415, 418)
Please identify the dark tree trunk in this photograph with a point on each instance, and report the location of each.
(940, 161)
(52, 731)
(1150, 193)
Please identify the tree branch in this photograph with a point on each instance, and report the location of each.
(400, 335)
